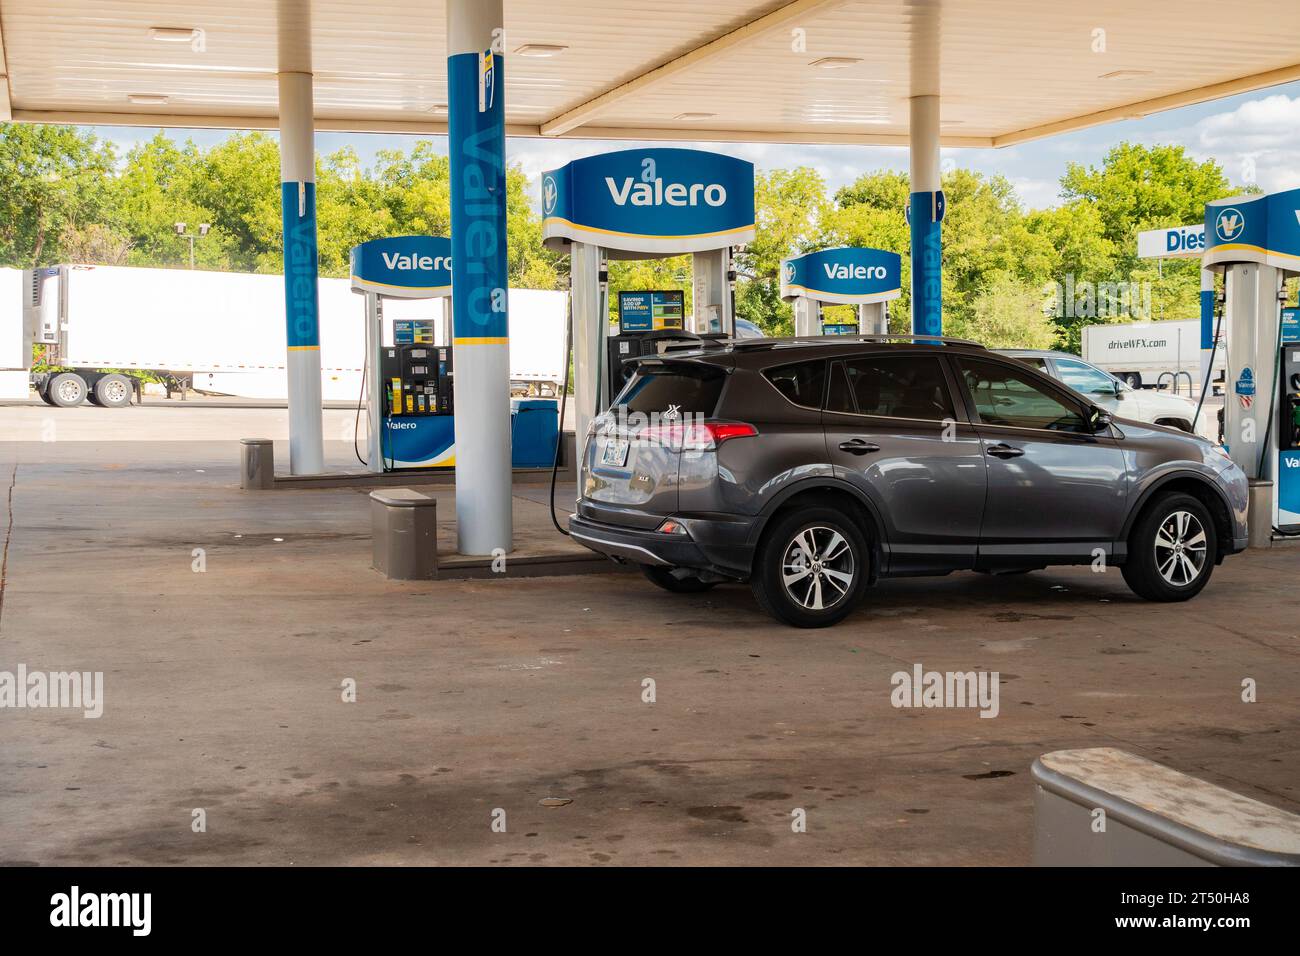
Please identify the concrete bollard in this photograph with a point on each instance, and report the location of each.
(1106, 807)
(1259, 513)
(257, 464)
(404, 534)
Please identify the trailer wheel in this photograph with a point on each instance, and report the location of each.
(113, 391)
(66, 390)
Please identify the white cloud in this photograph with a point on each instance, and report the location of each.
(1256, 143)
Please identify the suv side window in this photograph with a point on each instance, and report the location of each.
(1006, 396)
(892, 386)
(1085, 379)
(802, 383)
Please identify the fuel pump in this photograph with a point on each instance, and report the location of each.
(861, 277)
(643, 204)
(411, 378)
(1255, 242)
(1288, 425)
(648, 323)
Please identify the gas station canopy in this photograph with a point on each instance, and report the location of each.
(814, 71)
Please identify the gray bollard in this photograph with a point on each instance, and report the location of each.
(257, 464)
(404, 534)
(1106, 807)
(1259, 513)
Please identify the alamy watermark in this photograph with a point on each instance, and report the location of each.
(73, 690)
(1084, 299)
(922, 688)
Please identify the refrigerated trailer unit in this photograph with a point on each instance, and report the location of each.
(1146, 354)
(223, 331)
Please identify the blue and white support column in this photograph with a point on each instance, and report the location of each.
(476, 144)
(298, 205)
(925, 213)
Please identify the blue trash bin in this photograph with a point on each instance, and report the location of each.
(534, 430)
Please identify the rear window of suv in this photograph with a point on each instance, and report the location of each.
(656, 389)
(802, 383)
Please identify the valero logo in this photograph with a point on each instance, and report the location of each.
(1229, 223)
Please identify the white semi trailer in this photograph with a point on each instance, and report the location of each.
(222, 331)
(1145, 354)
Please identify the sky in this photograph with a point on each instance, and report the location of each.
(1255, 137)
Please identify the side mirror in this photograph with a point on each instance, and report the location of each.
(1099, 419)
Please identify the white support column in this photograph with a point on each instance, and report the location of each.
(1252, 317)
(590, 328)
(925, 216)
(807, 316)
(298, 205)
(711, 297)
(476, 140)
(872, 319)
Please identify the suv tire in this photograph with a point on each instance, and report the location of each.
(837, 584)
(665, 579)
(1172, 549)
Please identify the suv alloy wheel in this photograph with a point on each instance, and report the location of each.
(1171, 552)
(811, 567)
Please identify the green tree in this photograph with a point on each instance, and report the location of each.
(790, 208)
(52, 178)
(1008, 313)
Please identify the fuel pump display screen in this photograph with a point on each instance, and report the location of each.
(651, 311)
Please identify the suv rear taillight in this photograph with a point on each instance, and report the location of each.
(696, 436)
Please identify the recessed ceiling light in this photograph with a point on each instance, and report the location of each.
(540, 50)
(951, 122)
(687, 117)
(147, 99)
(438, 108)
(1123, 74)
(835, 62)
(172, 34)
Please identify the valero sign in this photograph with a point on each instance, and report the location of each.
(1263, 229)
(404, 267)
(844, 276)
(646, 202)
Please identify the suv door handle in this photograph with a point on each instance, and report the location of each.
(1003, 450)
(859, 446)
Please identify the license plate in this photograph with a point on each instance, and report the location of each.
(615, 453)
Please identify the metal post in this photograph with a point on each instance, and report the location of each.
(374, 384)
(476, 146)
(298, 204)
(1207, 324)
(590, 324)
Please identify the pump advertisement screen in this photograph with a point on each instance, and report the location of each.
(651, 311)
(657, 201)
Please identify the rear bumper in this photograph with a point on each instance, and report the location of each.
(719, 545)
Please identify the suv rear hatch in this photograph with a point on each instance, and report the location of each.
(632, 462)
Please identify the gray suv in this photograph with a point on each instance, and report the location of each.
(811, 468)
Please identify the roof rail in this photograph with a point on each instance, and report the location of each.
(830, 339)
